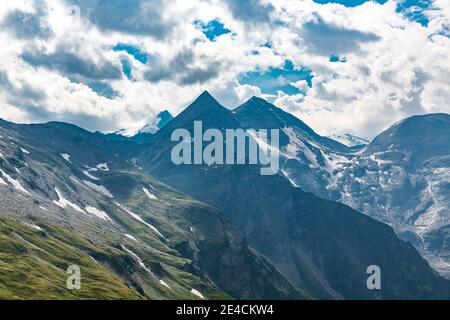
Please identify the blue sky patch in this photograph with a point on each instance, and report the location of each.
(132, 51)
(335, 58)
(277, 79)
(348, 3)
(415, 10)
(127, 68)
(212, 29)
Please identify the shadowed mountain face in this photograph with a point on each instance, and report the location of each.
(320, 246)
(74, 202)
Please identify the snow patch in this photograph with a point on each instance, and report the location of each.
(164, 284)
(197, 293)
(74, 180)
(16, 184)
(129, 236)
(149, 194)
(129, 132)
(286, 174)
(64, 203)
(90, 169)
(36, 227)
(99, 213)
(349, 140)
(143, 266)
(87, 174)
(136, 217)
(98, 188)
(102, 167)
(139, 260)
(66, 157)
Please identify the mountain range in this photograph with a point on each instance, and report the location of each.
(64, 201)
(119, 207)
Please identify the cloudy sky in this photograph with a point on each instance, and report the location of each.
(354, 66)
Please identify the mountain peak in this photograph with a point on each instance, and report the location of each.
(206, 109)
(430, 132)
(205, 97)
(257, 101)
(163, 118)
(258, 113)
(204, 102)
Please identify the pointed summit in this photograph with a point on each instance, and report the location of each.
(204, 103)
(259, 103)
(260, 100)
(205, 96)
(164, 117)
(255, 103)
(206, 109)
(258, 113)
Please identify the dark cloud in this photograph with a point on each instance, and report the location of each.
(103, 89)
(27, 25)
(141, 17)
(198, 75)
(70, 64)
(26, 98)
(178, 69)
(4, 81)
(250, 10)
(325, 39)
(24, 93)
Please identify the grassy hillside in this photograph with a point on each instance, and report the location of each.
(33, 265)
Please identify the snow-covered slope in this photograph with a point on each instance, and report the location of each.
(308, 160)
(401, 178)
(161, 120)
(350, 140)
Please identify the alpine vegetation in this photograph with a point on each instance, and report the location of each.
(262, 149)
